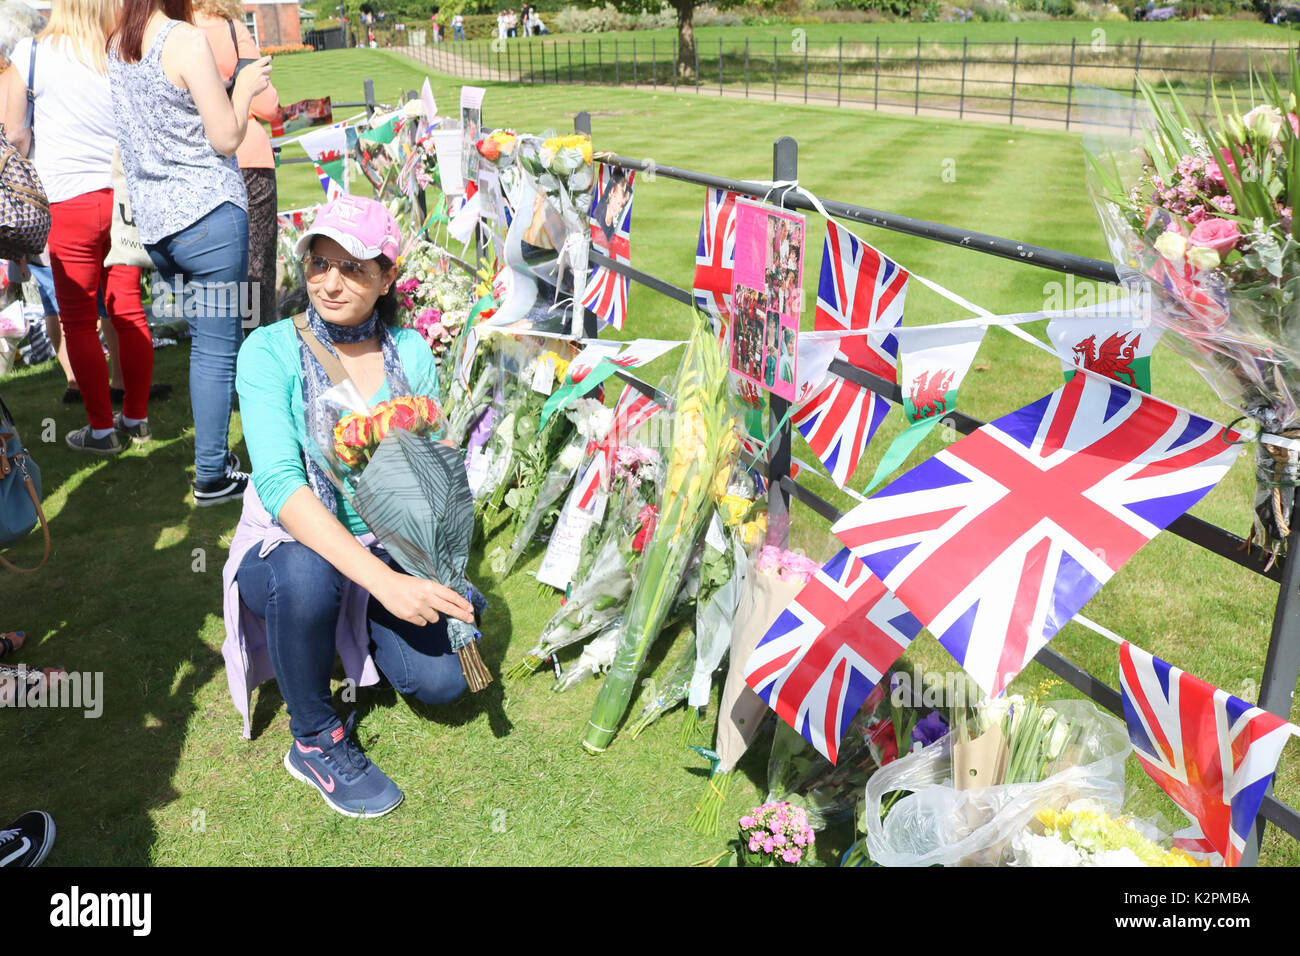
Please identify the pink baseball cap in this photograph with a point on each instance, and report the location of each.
(364, 227)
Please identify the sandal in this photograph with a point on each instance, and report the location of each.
(11, 641)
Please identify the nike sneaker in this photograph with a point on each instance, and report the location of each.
(348, 780)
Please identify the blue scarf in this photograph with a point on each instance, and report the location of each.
(321, 414)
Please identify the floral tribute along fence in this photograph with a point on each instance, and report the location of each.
(675, 504)
(1018, 81)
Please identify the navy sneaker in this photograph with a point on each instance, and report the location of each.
(350, 783)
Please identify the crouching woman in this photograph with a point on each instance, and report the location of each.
(304, 579)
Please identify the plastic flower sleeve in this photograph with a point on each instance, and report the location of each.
(935, 824)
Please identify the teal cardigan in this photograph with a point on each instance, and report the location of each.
(269, 383)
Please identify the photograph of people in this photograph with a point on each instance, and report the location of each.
(609, 210)
(785, 370)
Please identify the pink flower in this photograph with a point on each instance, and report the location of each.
(408, 302)
(755, 843)
(407, 286)
(1224, 204)
(767, 845)
(1214, 173)
(1295, 123)
(1221, 235)
(1196, 214)
(746, 821)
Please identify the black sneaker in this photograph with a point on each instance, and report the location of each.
(229, 488)
(27, 841)
(138, 432)
(82, 439)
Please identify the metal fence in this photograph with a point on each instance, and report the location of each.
(1019, 82)
(1282, 661)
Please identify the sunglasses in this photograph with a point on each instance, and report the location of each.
(358, 273)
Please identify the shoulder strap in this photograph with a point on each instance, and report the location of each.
(233, 42)
(31, 99)
(333, 367)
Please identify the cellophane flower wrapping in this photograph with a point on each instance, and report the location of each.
(933, 823)
(409, 489)
(518, 416)
(1199, 214)
(703, 448)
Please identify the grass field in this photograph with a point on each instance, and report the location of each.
(133, 590)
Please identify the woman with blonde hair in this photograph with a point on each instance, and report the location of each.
(74, 133)
(222, 21)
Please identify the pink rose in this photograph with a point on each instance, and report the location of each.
(1221, 235)
(1212, 171)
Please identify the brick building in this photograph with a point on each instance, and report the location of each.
(272, 22)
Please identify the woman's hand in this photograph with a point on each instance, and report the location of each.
(419, 600)
(253, 79)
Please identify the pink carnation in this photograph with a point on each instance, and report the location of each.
(1221, 235)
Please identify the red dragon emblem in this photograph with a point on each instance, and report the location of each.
(928, 391)
(1114, 359)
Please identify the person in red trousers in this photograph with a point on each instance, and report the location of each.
(71, 140)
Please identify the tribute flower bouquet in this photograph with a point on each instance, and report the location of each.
(1083, 834)
(775, 834)
(1202, 216)
(703, 450)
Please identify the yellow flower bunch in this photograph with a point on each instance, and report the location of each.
(561, 364)
(1093, 831)
(579, 141)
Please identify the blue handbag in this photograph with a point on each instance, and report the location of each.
(20, 491)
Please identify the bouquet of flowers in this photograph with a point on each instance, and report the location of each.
(434, 296)
(410, 490)
(611, 553)
(775, 834)
(1202, 215)
(519, 408)
(498, 147)
(1084, 834)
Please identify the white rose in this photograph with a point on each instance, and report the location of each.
(1263, 121)
(1202, 257)
(570, 458)
(1172, 245)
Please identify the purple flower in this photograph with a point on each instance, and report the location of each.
(929, 729)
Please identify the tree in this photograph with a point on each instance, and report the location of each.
(685, 10)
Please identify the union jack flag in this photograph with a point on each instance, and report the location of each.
(1214, 754)
(715, 255)
(859, 288)
(606, 291)
(632, 410)
(820, 659)
(998, 540)
(292, 217)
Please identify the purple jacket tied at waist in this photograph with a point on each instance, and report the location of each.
(247, 661)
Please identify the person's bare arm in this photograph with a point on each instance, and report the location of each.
(409, 598)
(187, 55)
(13, 102)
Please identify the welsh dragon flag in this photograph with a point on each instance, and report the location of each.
(1113, 339)
(933, 361)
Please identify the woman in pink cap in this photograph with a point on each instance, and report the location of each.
(302, 580)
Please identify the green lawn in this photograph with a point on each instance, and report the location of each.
(133, 588)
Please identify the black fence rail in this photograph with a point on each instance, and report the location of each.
(1017, 81)
(1282, 661)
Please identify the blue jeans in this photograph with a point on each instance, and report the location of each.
(459, 32)
(299, 594)
(208, 262)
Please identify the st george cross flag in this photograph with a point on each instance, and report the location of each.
(606, 291)
(859, 288)
(999, 539)
(715, 255)
(1113, 339)
(820, 659)
(1214, 754)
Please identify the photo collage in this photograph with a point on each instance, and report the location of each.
(767, 290)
